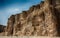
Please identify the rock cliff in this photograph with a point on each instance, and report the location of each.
(40, 20)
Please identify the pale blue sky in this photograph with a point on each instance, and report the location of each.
(9, 7)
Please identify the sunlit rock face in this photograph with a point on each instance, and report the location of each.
(40, 20)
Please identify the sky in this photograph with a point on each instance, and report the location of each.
(10, 7)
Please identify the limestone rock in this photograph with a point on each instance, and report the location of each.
(40, 20)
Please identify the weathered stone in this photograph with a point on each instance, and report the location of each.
(39, 20)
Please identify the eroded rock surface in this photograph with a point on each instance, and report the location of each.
(40, 20)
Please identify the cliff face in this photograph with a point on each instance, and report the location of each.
(40, 20)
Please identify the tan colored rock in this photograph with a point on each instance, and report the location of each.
(39, 20)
